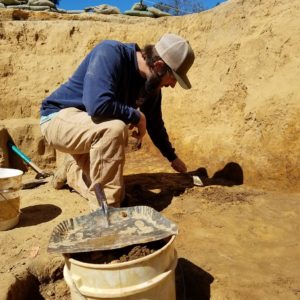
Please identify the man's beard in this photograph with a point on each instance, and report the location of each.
(152, 84)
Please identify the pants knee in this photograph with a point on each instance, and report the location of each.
(118, 130)
(119, 127)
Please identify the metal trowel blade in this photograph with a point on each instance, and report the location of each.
(197, 181)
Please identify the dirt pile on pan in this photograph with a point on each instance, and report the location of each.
(119, 255)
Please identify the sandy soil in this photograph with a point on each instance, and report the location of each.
(238, 129)
(234, 242)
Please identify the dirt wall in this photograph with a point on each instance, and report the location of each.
(244, 105)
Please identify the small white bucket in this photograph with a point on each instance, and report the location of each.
(10, 185)
(148, 278)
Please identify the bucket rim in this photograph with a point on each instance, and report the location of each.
(121, 264)
(10, 173)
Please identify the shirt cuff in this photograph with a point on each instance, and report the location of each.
(135, 117)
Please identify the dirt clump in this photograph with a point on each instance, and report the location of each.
(119, 255)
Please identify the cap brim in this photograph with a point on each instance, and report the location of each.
(182, 80)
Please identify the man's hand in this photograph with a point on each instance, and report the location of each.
(141, 128)
(178, 165)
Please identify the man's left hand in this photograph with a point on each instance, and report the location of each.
(178, 165)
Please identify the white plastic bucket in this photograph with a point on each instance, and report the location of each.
(10, 185)
(148, 278)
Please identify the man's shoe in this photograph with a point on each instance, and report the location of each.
(59, 179)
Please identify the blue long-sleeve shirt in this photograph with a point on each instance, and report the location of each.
(107, 84)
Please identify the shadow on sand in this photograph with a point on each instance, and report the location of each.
(157, 189)
(37, 214)
(192, 282)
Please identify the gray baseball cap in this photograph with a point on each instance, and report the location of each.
(177, 53)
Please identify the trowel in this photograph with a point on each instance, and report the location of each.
(41, 176)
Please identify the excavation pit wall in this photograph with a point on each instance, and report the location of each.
(244, 104)
(40, 279)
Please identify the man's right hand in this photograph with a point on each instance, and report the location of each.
(178, 165)
(141, 128)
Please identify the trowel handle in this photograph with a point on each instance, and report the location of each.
(15, 149)
(101, 198)
(27, 160)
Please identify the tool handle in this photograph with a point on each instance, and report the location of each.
(27, 160)
(101, 199)
(15, 149)
(36, 168)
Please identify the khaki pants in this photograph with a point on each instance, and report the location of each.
(98, 149)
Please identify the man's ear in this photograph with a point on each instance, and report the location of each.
(159, 66)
